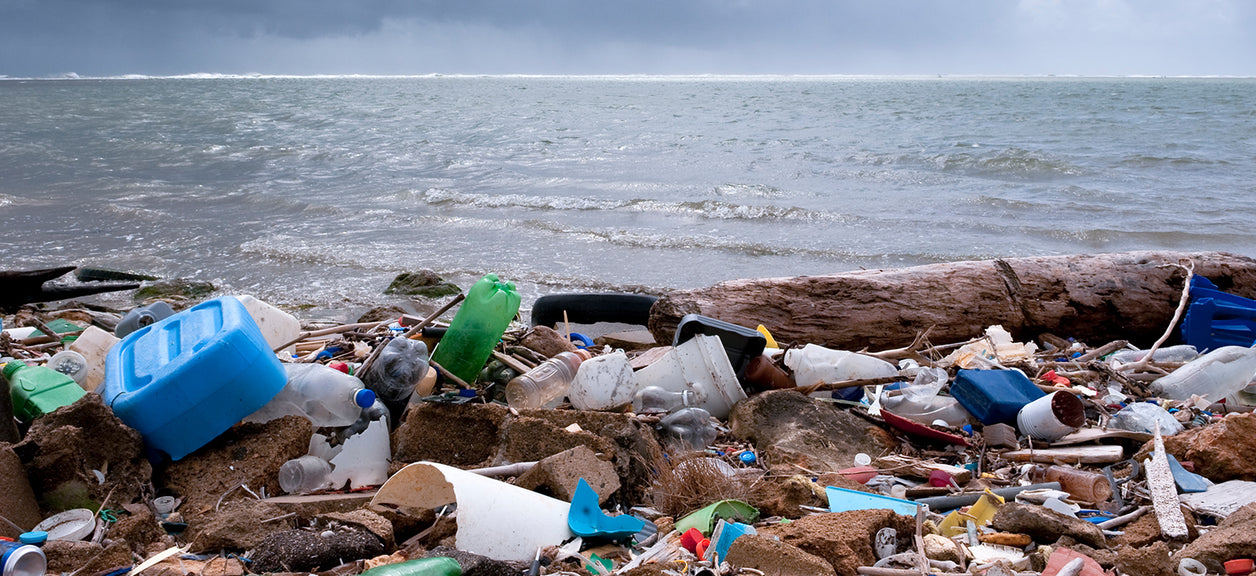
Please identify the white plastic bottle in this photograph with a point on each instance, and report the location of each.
(1214, 375)
(328, 397)
(813, 364)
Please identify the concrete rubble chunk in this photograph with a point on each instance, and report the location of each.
(64, 450)
(843, 539)
(558, 475)
(238, 525)
(789, 428)
(1233, 538)
(1152, 560)
(17, 499)
(1044, 525)
(1219, 452)
(246, 455)
(772, 556)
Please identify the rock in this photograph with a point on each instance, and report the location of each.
(790, 428)
(842, 539)
(425, 283)
(771, 556)
(380, 314)
(313, 551)
(1220, 451)
(559, 474)
(546, 341)
(463, 435)
(474, 564)
(633, 445)
(1235, 537)
(311, 505)
(1045, 525)
(173, 290)
(376, 524)
(17, 499)
(62, 451)
(246, 455)
(478, 435)
(1152, 560)
(230, 566)
(783, 495)
(938, 547)
(238, 525)
(1091, 297)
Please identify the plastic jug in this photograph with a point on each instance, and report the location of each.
(546, 383)
(994, 396)
(277, 327)
(392, 377)
(1214, 375)
(188, 378)
(477, 326)
(38, 390)
(603, 383)
(143, 316)
(328, 397)
(94, 344)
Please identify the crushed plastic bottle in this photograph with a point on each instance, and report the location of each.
(813, 364)
(1142, 417)
(691, 427)
(392, 377)
(1179, 353)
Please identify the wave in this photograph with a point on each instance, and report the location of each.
(1016, 163)
(709, 209)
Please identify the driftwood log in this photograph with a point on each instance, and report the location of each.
(1094, 298)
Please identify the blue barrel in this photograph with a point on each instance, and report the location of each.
(187, 378)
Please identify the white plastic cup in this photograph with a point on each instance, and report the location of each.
(1051, 417)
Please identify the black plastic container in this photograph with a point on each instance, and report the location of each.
(740, 343)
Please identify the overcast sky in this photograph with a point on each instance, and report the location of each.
(993, 37)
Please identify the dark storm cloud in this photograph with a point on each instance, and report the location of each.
(105, 37)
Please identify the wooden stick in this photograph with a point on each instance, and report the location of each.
(1145, 362)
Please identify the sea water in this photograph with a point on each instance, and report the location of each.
(317, 191)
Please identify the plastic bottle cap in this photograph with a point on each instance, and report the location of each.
(862, 459)
(747, 457)
(37, 537)
(12, 367)
(363, 398)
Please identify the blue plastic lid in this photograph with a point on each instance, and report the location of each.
(364, 398)
(36, 537)
(747, 457)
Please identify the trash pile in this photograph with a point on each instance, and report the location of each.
(222, 437)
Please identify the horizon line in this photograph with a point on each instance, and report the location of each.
(625, 76)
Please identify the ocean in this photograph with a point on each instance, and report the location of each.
(312, 193)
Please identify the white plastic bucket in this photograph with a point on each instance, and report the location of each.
(1051, 417)
(700, 365)
(603, 383)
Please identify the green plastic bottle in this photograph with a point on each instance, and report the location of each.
(480, 322)
(437, 566)
(38, 390)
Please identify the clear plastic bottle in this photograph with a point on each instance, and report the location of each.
(477, 326)
(305, 474)
(1214, 375)
(813, 364)
(657, 400)
(328, 397)
(690, 427)
(393, 375)
(1179, 353)
(545, 383)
